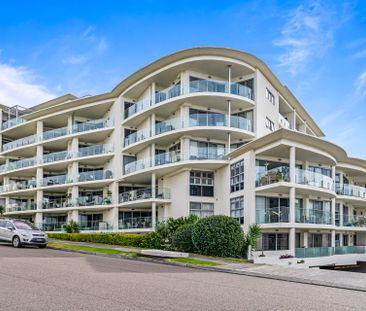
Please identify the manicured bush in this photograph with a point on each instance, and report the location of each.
(182, 239)
(152, 240)
(218, 236)
(123, 239)
(72, 227)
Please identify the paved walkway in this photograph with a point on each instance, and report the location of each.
(329, 278)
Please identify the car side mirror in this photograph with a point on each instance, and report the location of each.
(10, 228)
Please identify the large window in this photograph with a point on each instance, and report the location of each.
(201, 209)
(199, 150)
(275, 241)
(271, 210)
(237, 209)
(237, 176)
(201, 184)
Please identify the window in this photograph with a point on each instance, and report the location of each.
(201, 209)
(237, 209)
(270, 96)
(201, 184)
(200, 150)
(270, 124)
(237, 176)
(275, 241)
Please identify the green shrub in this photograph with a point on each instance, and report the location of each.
(123, 239)
(182, 239)
(72, 227)
(152, 240)
(218, 236)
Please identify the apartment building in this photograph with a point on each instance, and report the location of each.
(202, 131)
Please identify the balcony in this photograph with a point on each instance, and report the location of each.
(135, 223)
(138, 106)
(95, 175)
(20, 143)
(351, 191)
(94, 200)
(55, 156)
(94, 150)
(354, 221)
(175, 157)
(144, 194)
(275, 175)
(55, 180)
(309, 178)
(328, 251)
(167, 93)
(313, 216)
(52, 226)
(12, 122)
(274, 215)
(62, 202)
(51, 134)
(95, 226)
(21, 207)
(19, 185)
(24, 163)
(91, 125)
(283, 122)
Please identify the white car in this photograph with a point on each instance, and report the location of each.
(20, 232)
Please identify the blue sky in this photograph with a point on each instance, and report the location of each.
(316, 48)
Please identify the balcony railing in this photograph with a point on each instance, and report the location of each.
(21, 164)
(19, 185)
(20, 142)
(278, 174)
(201, 85)
(12, 122)
(328, 251)
(241, 123)
(242, 90)
(21, 207)
(313, 216)
(135, 223)
(168, 125)
(94, 150)
(275, 215)
(55, 180)
(91, 125)
(144, 194)
(167, 93)
(351, 191)
(51, 134)
(176, 156)
(354, 221)
(305, 177)
(61, 202)
(95, 226)
(95, 175)
(94, 200)
(56, 156)
(341, 250)
(137, 136)
(137, 107)
(52, 226)
(283, 122)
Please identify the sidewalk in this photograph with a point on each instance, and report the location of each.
(328, 278)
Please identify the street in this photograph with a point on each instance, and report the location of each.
(46, 279)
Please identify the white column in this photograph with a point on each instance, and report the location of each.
(292, 238)
(153, 185)
(229, 113)
(152, 93)
(153, 215)
(340, 238)
(249, 190)
(229, 78)
(152, 124)
(333, 233)
(306, 239)
(292, 194)
(38, 218)
(333, 206)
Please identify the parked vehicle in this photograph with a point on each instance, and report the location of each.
(21, 232)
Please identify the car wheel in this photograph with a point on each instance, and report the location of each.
(42, 246)
(16, 242)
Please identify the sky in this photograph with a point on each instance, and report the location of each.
(316, 48)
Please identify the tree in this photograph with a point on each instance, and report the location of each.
(250, 239)
(2, 210)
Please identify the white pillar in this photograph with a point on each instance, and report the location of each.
(333, 238)
(292, 239)
(306, 239)
(229, 78)
(153, 215)
(333, 206)
(153, 185)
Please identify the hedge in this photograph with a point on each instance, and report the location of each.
(218, 236)
(182, 239)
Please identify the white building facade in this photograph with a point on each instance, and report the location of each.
(202, 131)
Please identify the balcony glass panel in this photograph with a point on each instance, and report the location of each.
(242, 90)
(21, 164)
(52, 226)
(91, 125)
(241, 123)
(61, 202)
(354, 221)
(95, 225)
(283, 122)
(273, 215)
(94, 200)
(19, 143)
(55, 156)
(305, 177)
(314, 252)
(144, 194)
(139, 106)
(55, 180)
(207, 119)
(20, 185)
(167, 126)
(167, 93)
(12, 122)
(135, 223)
(313, 216)
(137, 136)
(3, 168)
(341, 250)
(273, 175)
(63, 131)
(94, 150)
(201, 85)
(95, 175)
(20, 207)
(352, 191)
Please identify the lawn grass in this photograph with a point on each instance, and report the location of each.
(92, 249)
(197, 262)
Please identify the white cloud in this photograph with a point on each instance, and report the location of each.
(19, 86)
(75, 59)
(308, 32)
(361, 86)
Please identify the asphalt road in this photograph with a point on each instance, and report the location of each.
(45, 279)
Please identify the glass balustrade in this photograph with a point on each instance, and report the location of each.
(96, 225)
(167, 93)
(278, 174)
(21, 164)
(144, 194)
(20, 185)
(95, 175)
(167, 157)
(3, 168)
(135, 223)
(314, 252)
(94, 200)
(51, 134)
(241, 123)
(313, 216)
(305, 177)
(56, 156)
(91, 125)
(351, 190)
(137, 136)
(19, 143)
(138, 106)
(208, 119)
(283, 122)
(12, 122)
(94, 150)
(168, 125)
(274, 215)
(55, 180)
(137, 165)
(201, 85)
(61, 202)
(342, 250)
(52, 226)
(21, 207)
(242, 90)
(354, 221)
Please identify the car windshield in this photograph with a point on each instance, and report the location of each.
(24, 225)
